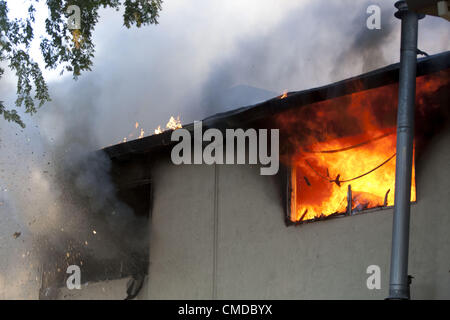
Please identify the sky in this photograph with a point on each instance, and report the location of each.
(185, 66)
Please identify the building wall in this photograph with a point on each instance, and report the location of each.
(103, 290)
(218, 232)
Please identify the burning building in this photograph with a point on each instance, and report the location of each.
(311, 231)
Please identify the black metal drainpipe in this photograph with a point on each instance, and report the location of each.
(399, 286)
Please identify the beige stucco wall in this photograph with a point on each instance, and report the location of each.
(103, 290)
(218, 232)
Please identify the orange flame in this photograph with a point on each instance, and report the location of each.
(173, 124)
(321, 178)
(158, 130)
(351, 141)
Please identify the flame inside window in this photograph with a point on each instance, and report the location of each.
(342, 151)
(356, 171)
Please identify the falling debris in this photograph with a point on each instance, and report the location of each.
(16, 235)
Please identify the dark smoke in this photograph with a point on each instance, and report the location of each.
(367, 45)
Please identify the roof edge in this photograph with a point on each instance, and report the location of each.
(243, 115)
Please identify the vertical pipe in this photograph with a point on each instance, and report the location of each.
(399, 287)
(349, 200)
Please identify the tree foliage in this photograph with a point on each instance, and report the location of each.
(72, 50)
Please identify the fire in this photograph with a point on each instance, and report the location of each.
(342, 151)
(131, 135)
(284, 95)
(173, 124)
(158, 130)
(325, 170)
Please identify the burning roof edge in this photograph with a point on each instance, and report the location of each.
(243, 115)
